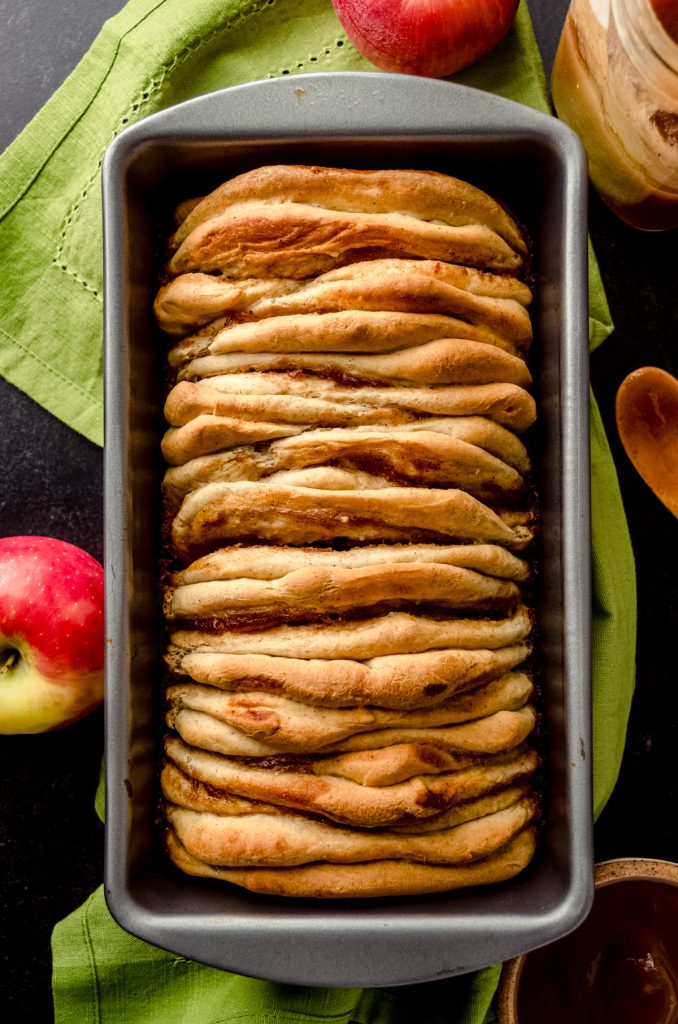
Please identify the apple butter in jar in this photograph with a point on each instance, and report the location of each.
(615, 82)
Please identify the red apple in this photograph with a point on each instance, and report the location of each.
(51, 634)
(425, 37)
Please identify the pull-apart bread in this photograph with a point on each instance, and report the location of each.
(348, 517)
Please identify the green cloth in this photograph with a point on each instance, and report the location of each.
(105, 976)
(155, 53)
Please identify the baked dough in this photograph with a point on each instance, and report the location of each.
(374, 878)
(259, 562)
(243, 412)
(391, 634)
(349, 706)
(285, 724)
(491, 301)
(183, 791)
(293, 784)
(297, 515)
(427, 195)
(450, 451)
(441, 361)
(418, 457)
(285, 840)
(353, 331)
(402, 681)
(296, 240)
(318, 592)
(404, 751)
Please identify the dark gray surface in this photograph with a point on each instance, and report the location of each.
(41, 41)
(50, 843)
(536, 165)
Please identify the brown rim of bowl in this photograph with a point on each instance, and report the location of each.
(606, 873)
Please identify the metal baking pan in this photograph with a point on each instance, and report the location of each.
(535, 165)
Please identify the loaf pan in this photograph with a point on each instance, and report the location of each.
(535, 165)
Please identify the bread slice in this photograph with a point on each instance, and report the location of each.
(291, 782)
(285, 724)
(293, 514)
(373, 879)
(419, 748)
(316, 592)
(470, 452)
(350, 698)
(440, 361)
(245, 408)
(427, 195)
(287, 840)
(493, 302)
(347, 331)
(400, 681)
(259, 562)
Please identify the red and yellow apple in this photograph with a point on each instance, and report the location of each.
(51, 634)
(434, 38)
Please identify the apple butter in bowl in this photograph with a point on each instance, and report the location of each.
(620, 965)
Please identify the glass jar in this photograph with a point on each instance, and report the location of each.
(615, 82)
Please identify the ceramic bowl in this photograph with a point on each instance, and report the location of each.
(617, 873)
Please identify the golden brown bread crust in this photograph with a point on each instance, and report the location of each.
(265, 563)
(316, 400)
(402, 681)
(291, 514)
(374, 878)
(245, 416)
(307, 593)
(290, 725)
(287, 840)
(294, 240)
(401, 456)
(178, 788)
(493, 302)
(497, 800)
(292, 783)
(348, 331)
(183, 791)
(491, 290)
(449, 451)
(193, 300)
(498, 730)
(347, 722)
(440, 361)
(395, 633)
(381, 757)
(424, 194)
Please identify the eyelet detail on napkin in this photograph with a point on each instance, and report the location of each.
(313, 59)
(133, 112)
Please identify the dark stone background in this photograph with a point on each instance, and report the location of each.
(50, 839)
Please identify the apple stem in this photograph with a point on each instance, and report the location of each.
(8, 659)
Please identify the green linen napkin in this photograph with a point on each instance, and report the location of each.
(155, 53)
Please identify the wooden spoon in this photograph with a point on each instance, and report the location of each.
(647, 420)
